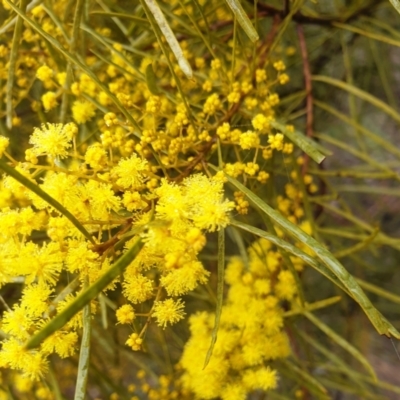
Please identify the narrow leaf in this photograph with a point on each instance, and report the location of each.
(50, 39)
(13, 64)
(359, 154)
(368, 34)
(155, 28)
(55, 388)
(341, 342)
(4, 28)
(369, 287)
(207, 41)
(121, 15)
(151, 80)
(305, 379)
(243, 19)
(378, 190)
(288, 247)
(299, 139)
(312, 306)
(360, 94)
(42, 194)
(237, 237)
(330, 354)
(344, 386)
(381, 324)
(396, 5)
(371, 135)
(84, 355)
(170, 37)
(220, 293)
(85, 297)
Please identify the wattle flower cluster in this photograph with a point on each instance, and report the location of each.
(124, 144)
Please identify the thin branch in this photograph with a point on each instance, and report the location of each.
(204, 151)
(328, 20)
(309, 96)
(286, 7)
(103, 247)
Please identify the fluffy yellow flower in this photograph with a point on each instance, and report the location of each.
(264, 378)
(276, 141)
(17, 322)
(52, 140)
(138, 288)
(131, 172)
(249, 140)
(125, 314)
(102, 199)
(199, 200)
(134, 342)
(4, 142)
(49, 100)
(14, 356)
(168, 312)
(96, 156)
(212, 104)
(35, 299)
(286, 286)
(208, 209)
(185, 279)
(83, 111)
(261, 122)
(41, 263)
(44, 73)
(61, 342)
(80, 258)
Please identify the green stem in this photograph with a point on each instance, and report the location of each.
(42, 194)
(86, 296)
(76, 62)
(171, 67)
(381, 324)
(13, 63)
(73, 49)
(84, 356)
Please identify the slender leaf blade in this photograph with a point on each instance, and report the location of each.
(303, 377)
(299, 139)
(295, 251)
(381, 324)
(85, 297)
(243, 19)
(170, 37)
(396, 5)
(84, 356)
(341, 342)
(151, 80)
(360, 94)
(46, 197)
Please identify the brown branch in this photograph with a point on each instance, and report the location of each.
(201, 156)
(196, 160)
(309, 108)
(266, 45)
(102, 247)
(309, 96)
(327, 21)
(286, 7)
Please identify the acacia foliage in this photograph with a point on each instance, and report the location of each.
(132, 132)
